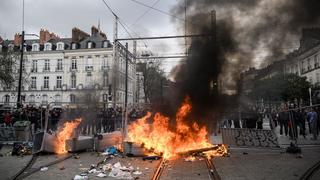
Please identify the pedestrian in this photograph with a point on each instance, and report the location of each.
(8, 119)
(313, 120)
(283, 121)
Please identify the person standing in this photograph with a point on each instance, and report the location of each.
(313, 120)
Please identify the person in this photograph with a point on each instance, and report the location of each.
(283, 121)
(8, 119)
(313, 120)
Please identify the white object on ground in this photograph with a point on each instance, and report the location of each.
(44, 169)
(78, 177)
(101, 175)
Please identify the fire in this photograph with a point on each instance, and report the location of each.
(63, 133)
(170, 142)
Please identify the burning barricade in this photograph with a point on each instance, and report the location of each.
(173, 142)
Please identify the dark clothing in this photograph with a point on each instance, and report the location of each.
(283, 121)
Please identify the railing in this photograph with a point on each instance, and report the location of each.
(73, 69)
(89, 68)
(44, 88)
(59, 69)
(57, 88)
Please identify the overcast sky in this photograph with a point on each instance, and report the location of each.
(60, 16)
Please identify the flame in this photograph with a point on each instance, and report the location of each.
(63, 133)
(170, 142)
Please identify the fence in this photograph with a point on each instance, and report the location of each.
(249, 137)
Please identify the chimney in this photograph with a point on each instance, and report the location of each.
(78, 35)
(17, 39)
(94, 31)
(45, 36)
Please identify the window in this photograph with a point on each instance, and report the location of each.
(72, 98)
(46, 82)
(73, 64)
(44, 99)
(73, 81)
(7, 99)
(74, 46)
(59, 65)
(32, 99)
(35, 47)
(47, 46)
(33, 82)
(34, 67)
(316, 65)
(89, 66)
(105, 44)
(89, 45)
(59, 82)
(57, 99)
(89, 82)
(46, 65)
(60, 46)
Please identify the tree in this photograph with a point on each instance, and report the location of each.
(7, 68)
(152, 78)
(280, 87)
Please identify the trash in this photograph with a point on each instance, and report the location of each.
(76, 157)
(293, 149)
(92, 166)
(190, 158)
(44, 169)
(62, 168)
(101, 175)
(107, 167)
(111, 151)
(22, 148)
(137, 173)
(300, 156)
(91, 171)
(80, 177)
(151, 158)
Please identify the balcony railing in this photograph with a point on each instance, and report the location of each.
(44, 88)
(89, 68)
(46, 69)
(59, 69)
(32, 88)
(73, 69)
(57, 87)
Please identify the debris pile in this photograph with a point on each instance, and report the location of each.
(22, 148)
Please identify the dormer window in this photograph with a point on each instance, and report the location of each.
(35, 47)
(74, 46)
(105, 44)
(11, 46)
(47, 46)
(60, 46)
(89, 45)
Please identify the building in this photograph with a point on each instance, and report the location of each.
(69, 70)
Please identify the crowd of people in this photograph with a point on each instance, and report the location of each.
(94, 120)
(293, 121)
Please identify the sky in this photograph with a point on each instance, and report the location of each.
(60, 16)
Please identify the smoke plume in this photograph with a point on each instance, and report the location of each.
(246, 33)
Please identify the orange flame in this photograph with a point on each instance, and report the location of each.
(65, 132)
(169, 142)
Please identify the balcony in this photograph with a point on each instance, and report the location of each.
(46, 70)
(89, 68)
(32, 88)
(72, 69)
(60, 69)
(57, 88)
(104, 68)
(44, 88)
(34, 70)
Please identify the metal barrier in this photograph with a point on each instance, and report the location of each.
(249, 137)
(7, 134)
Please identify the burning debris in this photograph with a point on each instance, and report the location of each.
(65, 132)
(171, 143)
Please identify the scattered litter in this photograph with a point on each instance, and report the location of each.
(190, 158)
(76, 157)
(300, 156)
(92, 166)
(62, 168)
(137, 172)
(101, 175)
(93, 171)
(22, 148)
(107, 167)
(79, 177)
(151, 158)
(44, 169)
(111, 151)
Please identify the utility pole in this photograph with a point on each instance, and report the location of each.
(126, 94)
(19, 104)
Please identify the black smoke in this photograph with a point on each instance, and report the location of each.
(246, 33)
